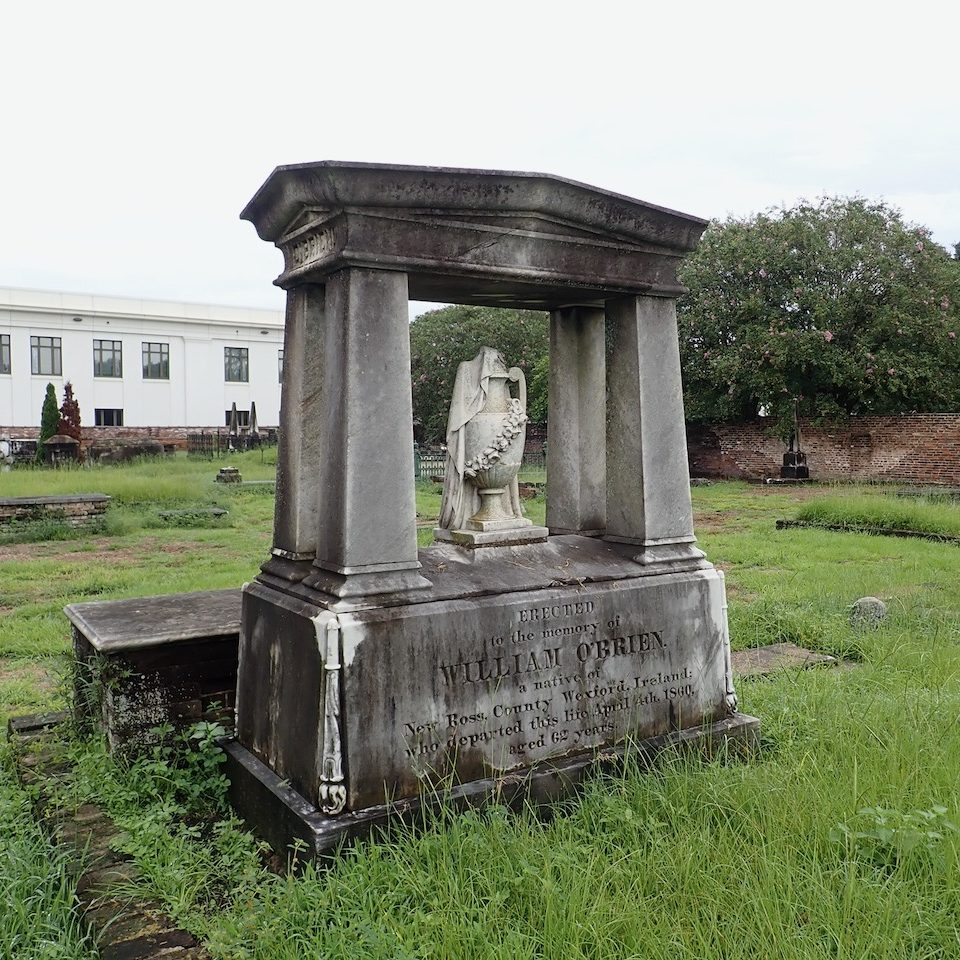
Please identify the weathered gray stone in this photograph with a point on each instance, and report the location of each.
(490, 237)
(370, 674)
(761, 661)
(149, 661)
(301, 415)
(366, 522)
(648, 480)
(576, 447)
(868, 612)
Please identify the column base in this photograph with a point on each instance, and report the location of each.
(663, 555)
(365, 584)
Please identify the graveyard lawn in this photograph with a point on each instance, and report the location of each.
(836, 841)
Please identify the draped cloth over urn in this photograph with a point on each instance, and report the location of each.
(486, 433)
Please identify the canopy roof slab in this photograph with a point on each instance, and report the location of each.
(487, 237)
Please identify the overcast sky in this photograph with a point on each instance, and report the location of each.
(132, 135)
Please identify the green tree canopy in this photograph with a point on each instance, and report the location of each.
(441, 339)
(49, 419)
(838, 303)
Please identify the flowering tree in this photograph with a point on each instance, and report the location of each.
(69, 424)
(441, 339)
(838, 303)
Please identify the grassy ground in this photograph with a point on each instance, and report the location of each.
(837, 841)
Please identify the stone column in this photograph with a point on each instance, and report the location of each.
(295, 516)
(648, 480)
(576, 445)
(366, 536)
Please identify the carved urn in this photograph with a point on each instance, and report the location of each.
(494, 441)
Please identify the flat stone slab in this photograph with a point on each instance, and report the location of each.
(199, 512)
(760, 661)
(455, 574)
(116, 625)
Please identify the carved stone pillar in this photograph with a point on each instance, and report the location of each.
(576, 446)
(648, 479)
(298, 456)
(366, 540)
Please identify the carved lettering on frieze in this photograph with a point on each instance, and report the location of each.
(307, 249)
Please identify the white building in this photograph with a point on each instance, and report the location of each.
(137, 363)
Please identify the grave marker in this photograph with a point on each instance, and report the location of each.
(501, 660)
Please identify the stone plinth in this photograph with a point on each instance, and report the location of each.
(517, 662)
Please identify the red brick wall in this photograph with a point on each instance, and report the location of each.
(915, 448)
(177, 435)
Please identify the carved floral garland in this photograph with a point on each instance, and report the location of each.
(512, 425)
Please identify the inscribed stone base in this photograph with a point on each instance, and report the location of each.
(515, 659)
(282, 817)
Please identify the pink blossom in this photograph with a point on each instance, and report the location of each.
(919, 245)
(869, 371)
(762, 273)
(892, 371)
(952, 335)
(945, 304)
(870, 356)
(827, 335)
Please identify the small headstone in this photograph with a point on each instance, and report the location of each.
(868, 612)
(228, 475)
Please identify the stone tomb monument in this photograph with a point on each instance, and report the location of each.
(505, 658)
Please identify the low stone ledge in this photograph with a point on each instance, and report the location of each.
(153, 661)
(80, 509)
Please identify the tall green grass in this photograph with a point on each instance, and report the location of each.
(37, 916)
(151, 480)
(783, 856)
(926, 515)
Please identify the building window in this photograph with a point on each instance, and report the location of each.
(280, 365)
(243, 418)
(4, 352)
(236, 365)
(107, 417)
(45, 356)
(156, 361)
(108, 360)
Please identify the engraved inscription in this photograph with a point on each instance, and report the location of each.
(563, 679)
